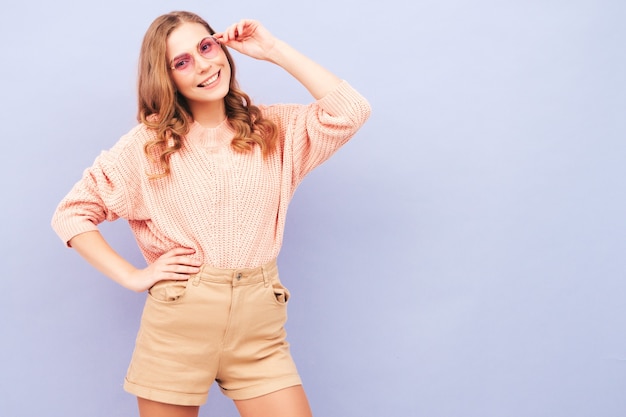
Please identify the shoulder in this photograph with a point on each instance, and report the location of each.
(129, 149)
(138, 135)
(135, 138)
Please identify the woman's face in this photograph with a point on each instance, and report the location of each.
(198, 67)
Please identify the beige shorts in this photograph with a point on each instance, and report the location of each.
(220, 325)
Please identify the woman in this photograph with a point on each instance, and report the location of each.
(204, 181)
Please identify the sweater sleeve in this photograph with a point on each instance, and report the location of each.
(313, 133)
(103, 192)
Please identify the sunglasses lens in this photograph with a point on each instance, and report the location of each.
(208, 48)
(182, 62)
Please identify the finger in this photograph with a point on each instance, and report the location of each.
(241, 29)
(172, 276)
(251, 27)
(175, 272)
(180, 270)
(179, 251)
(185, 260)
(223, 36)
(232, 32)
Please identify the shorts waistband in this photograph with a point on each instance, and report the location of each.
(239, 276)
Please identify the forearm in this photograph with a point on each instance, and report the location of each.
(95, 250)
(314, 77)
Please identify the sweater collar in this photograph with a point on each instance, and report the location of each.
(211, 137)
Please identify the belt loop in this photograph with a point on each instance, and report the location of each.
(266, 279)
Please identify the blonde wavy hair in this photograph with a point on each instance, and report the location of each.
(165, 111)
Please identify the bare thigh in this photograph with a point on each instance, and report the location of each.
(288, 402)
(149, 408)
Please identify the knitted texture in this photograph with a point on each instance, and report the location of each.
(230, 207)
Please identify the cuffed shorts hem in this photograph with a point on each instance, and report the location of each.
(167, 397)
(263, 389)
(180, 398)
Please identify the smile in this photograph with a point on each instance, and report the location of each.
(210, 80)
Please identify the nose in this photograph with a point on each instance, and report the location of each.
(202, 64)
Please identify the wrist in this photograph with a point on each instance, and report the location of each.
(126, 276)
(279, 53)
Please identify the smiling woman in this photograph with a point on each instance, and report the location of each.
(203, 82)
(204, 180)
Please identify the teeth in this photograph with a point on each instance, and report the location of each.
(210, 80)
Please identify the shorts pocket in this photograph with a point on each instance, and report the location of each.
(280, 292)
(168, 291)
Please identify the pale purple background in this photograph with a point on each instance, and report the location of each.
(463, 256)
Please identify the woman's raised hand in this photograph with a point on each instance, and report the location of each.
(248, 37)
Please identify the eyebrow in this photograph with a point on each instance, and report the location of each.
(179, 56)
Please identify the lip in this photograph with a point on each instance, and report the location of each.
(218, 74)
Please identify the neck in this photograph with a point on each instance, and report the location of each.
(210, 114)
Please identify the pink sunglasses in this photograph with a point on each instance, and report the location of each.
(208, 48)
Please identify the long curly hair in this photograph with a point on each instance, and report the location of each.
(168, 114)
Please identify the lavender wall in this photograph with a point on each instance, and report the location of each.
(462, 256)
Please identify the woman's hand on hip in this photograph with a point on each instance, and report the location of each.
(175, 264)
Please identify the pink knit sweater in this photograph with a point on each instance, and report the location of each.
(230, 207)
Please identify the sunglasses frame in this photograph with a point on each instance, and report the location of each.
(192, 59)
